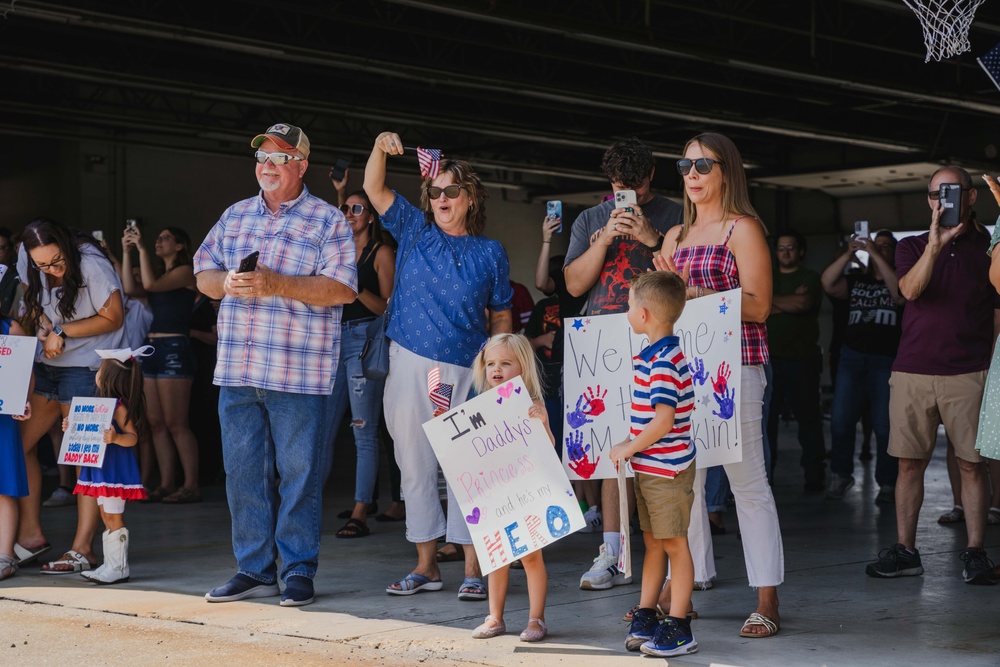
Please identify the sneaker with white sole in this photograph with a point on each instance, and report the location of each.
(595, 523)
(61, 497)
(672, 637)
(604, 573)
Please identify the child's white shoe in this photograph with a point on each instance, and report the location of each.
(115, 569)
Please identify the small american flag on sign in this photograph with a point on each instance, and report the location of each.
(430, 161)
(439, 392)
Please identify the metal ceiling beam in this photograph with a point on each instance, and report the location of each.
(325, 59)
(779, 72)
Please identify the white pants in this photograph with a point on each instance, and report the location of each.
(755, 508)
(407, 408)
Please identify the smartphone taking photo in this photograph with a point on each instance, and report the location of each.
(339, 168)
(553, 210)
(861, 229)
(951, 204)
(626, 199)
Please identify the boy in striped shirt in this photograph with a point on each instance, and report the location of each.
(662, 456)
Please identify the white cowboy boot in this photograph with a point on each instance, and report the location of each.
(114, 570)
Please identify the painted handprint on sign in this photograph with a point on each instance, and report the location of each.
(727, 404)
(698, 373)
(579, 417)
(595, 399)
(576, 452)
(721, 381)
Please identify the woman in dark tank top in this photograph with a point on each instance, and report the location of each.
(376, 269)
(169, 372)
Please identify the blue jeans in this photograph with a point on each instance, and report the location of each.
(797, 382)
(862, 378)
(268, 434)
(352, 389)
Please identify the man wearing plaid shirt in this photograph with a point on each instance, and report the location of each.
(277, 357)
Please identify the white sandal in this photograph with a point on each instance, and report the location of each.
(530, 635)
(8, 567)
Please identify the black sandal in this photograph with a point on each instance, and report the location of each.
(353, 528)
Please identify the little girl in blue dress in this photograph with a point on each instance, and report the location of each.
(118, 479)
(13, 476)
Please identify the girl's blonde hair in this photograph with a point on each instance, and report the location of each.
(531, 374)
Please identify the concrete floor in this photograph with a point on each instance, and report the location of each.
(832, 614)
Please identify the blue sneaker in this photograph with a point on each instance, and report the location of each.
(298, 592)
(241, 587)
(642, 629)
(672, 638)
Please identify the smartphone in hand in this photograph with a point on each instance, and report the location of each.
(339, 169)
(249, 262)
(553, 210)
(861, 229)
(626, 199)
(951, 204)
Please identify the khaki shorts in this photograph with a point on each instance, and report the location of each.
(918, 403)
(670, 501)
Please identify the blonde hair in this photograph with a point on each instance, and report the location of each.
(735, 198)
(662, 293)
(531, 374)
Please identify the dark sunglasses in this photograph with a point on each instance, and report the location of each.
(277, 159)
(353, 209)
(451, 192)
(702, 165)
(936, 195)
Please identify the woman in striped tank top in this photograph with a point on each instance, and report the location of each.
(721, 246)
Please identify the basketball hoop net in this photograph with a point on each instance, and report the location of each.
(946, 25)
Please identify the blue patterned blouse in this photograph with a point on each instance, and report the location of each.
(445, 285)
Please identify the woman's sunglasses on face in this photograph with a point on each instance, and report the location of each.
(702, 165)
(352, 209)
(451, 192)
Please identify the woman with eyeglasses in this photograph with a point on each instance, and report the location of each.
(351, 389)
(169, 372)
(721, 246)
(871, 340)
(74, 303)
(449, 277)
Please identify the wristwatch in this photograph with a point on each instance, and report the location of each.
(659, 244)
(58, 330)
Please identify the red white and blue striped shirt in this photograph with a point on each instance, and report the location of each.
(275, 342)
(662, 378)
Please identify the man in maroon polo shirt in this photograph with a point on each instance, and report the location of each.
(949, 325)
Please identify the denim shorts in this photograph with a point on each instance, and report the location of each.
(58, 383)
(172, 358)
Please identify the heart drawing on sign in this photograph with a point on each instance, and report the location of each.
(506, 390)
(517, 390)
(474, 517)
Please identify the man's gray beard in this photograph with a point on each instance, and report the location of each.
(275, 184)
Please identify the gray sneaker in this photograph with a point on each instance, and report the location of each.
(978, 567)
(838, 486)
(61, 497)
(896, 561)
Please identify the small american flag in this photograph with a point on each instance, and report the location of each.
(430, 161)
(439, 392)
(991, 64)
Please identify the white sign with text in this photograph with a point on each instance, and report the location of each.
(505, 474)
(83, 442)
(597, 383)
(17, 356)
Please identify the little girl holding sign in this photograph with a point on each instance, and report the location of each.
(504, 357)
(118, 479)
(13, 474)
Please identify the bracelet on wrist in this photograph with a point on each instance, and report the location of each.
(657, 246)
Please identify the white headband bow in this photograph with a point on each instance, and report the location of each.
(126, 353)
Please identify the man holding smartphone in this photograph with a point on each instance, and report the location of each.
(951, 319)
(279, 327)
(608, 246)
